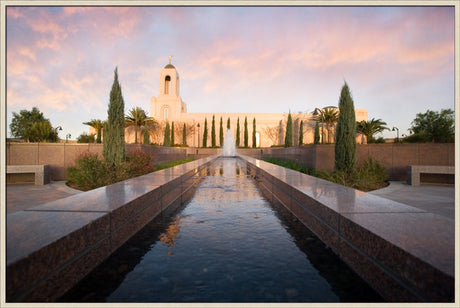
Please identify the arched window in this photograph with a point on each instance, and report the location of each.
(165, 113)
(257, 139)
(167, 84)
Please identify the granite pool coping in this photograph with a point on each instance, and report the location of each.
(405, 253)
(52, 246)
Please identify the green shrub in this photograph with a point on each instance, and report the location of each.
(91, 171)
(290, 164)
(85, 138)
(421, 137)
(338, 177)
(173, 163)
(370, 175)
(378, 140)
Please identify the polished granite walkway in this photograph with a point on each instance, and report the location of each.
(23, 196)
(437, 199)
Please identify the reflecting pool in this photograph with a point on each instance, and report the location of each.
(228, 244)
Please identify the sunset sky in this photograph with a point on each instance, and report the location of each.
(397, 61)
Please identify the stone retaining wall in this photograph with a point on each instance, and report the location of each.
(59, 156)
(52, 246)
(404, 253)
(395, 157)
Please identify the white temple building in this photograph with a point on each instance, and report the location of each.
(168, 106)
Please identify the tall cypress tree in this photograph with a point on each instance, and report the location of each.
(301, 133)
(345, 144)
(246, 136)
(184, 135)
(288, 136)
(213, 132)
(172, 134)
(317, 136)
(114, 133)
(167, 136)
(254, 138)
(205, 133)
(238, 132)
(228, 123)
(221, 133)
(146, 136)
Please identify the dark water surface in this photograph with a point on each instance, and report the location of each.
(228, 244)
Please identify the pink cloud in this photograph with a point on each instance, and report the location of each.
(122, 21)
(71, 10)
(106, 22)
(16, 66)
(23, 67)
(14, 12)
(66, 58)
(343, 49)
(27, 52)
(69, 91)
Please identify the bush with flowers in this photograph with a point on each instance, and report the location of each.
(139, 163)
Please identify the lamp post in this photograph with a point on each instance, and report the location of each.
(198, 134)
(397, 132)
(56, 131)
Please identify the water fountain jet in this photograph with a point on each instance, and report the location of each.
(229, 148)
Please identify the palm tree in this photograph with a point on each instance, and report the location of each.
(319, 118)
(327, 116)
(98, 125)
(370, 128)
(138, 117)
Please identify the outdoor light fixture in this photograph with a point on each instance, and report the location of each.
(397, 131)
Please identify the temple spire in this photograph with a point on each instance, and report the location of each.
(170, 56)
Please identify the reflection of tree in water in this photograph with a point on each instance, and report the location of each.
(171, 236)
(107, 277)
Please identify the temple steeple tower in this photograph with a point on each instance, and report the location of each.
(168, 105)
